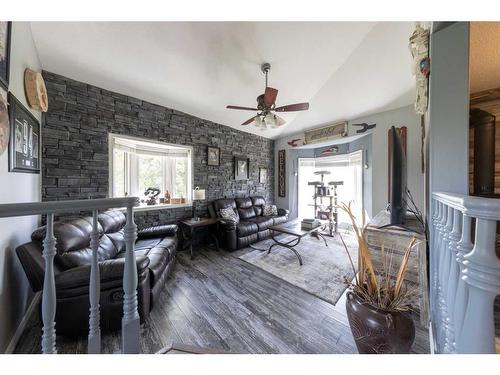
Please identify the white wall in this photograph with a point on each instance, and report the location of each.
(15, 293)
(375, 194)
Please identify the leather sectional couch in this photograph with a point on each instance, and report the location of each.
(252, 226)
(155, 251)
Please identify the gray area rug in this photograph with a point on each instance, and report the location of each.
(324, 269)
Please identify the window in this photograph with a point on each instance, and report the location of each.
(138, 164)
(346, 168)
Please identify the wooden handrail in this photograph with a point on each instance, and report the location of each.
(43, 208)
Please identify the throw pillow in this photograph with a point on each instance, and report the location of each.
(229, 214)
(270, 210)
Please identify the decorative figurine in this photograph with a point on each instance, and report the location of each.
(167, 197)
(151, 194)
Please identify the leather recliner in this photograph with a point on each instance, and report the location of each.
(252, 226)
(155, 251)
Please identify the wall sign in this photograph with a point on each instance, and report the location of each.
(326, 133)
(281, 173)
(24, 144)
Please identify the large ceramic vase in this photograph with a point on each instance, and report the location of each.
(378, 331)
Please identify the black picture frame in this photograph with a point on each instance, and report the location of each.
(282, 173)
(239, 173)
(213, 156)
(5, 63)
(24, 135)
(262, 175)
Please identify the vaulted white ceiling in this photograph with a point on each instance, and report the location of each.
(344, 69)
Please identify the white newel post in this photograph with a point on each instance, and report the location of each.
(49, 290)
(482, 276)
(94, 339)
(130, 321)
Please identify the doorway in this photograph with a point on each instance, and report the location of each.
(346, 167)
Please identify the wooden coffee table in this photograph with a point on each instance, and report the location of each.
(292, 228)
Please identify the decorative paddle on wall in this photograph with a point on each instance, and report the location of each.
(266, 107)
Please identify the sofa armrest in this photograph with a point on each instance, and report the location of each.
(109, 271)
(283, 212)
(169, 230)
(227, 225)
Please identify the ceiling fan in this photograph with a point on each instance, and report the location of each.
(266, 107)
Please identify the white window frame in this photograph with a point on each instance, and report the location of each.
(132, 169)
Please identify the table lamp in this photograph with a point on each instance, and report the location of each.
(198, 195)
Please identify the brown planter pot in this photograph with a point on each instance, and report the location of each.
(377, 331)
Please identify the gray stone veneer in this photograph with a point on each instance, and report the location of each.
(75, 131)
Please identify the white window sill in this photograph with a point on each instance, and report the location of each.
(160, 206)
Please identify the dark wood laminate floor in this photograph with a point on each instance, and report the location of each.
(220, 302)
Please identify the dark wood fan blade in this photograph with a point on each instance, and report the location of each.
(238, 107)
(249, 121)
(293, 107)
(270, 96)
(280, 120)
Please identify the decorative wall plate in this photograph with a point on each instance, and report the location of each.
(36, 93)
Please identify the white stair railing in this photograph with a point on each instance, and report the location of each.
(130, 320)
(465, 278)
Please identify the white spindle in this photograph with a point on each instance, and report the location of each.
(130, 321)
(454, 238)
(49, 290)
(482, 275)
(94, 339)
(464, 246)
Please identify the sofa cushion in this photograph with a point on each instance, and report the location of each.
(270, 210)
(245, 228)
(246, 213)
(229, 214)
(159, 251)
(262, 222)
(243, 202)
(258, 210)
(112, 221)
(81, 257)
(258, 200)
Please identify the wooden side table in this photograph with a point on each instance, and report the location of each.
(189, 227)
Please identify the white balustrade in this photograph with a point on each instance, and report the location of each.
(465, 278)
(130, 321)
(94, 339)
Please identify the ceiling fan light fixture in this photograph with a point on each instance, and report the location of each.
(271, 121)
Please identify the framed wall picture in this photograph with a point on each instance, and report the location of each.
(24, 143)
(5, 31)
(4, 122)
(281, 173)
(213, 156)
(241, 169)
(262, 175)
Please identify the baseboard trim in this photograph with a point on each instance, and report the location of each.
(24, 321)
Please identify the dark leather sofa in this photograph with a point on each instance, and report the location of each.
(252, 226)
(155, 250)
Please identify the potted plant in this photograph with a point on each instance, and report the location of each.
(378, 302)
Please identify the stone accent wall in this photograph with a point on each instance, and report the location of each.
(75, 131)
